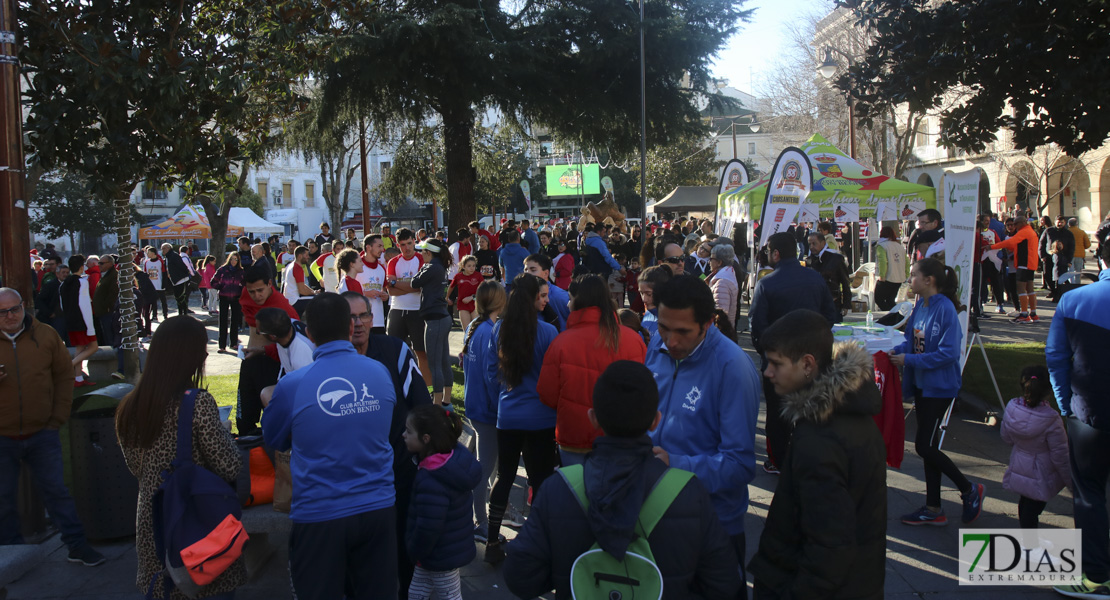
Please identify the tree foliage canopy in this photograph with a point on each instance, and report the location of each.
(67, 209)
(1035, 68)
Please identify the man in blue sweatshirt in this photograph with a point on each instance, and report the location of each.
(709, 398)
(335, 415)
(528, 237)
(511, 258)
(1076, 357)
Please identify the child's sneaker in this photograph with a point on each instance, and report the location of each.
(924, 516)
(513, 518)
(495, 553)
(973, 502)
(1085, 589)
(1034, 318)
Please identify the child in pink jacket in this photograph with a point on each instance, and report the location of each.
(1039, 466)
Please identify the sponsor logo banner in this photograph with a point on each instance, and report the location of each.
(1039, 557)
(791, 182)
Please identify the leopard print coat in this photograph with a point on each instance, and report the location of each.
(213, 449)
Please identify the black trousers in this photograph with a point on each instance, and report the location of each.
(541, 456)
(992, 281)
(255, 373)
(778, 429)
(353, 557)
(930, 414)
(165, 307)
(885, 294)
(231, 317)
(1011, 289)
(181, 296)
(1029, 512)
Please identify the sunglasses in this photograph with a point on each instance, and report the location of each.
(674, 260)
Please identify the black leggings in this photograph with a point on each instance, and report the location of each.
(541, 456)
(1029, 511)
(930, 414)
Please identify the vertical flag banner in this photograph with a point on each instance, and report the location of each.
(791, 182)
(734, 176)
(962, 199)
(527, 189)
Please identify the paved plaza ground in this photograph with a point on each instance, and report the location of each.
(921, 561)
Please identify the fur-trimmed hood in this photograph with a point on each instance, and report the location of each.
(836, 390)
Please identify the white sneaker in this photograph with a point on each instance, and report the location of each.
(513, 518)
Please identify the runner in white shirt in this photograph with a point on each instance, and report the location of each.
(404, 320)
(373, 280)
(294, 281)
(153, 267)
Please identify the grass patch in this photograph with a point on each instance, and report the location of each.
(1007, 360)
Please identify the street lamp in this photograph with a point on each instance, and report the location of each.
(643, 118)
(827, 70)
(753, 127)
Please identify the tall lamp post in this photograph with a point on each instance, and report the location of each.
(643, 118)
(827, 70)
(753, 127)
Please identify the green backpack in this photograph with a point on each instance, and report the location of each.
(596, 574)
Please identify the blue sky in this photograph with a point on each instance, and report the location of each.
(760, 41)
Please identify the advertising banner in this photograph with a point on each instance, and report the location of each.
(809, 212)
(791, 182)
(734, 176)
(527, 189)
(846, 213)
(573, 180)
(962, 200)
(607, 185)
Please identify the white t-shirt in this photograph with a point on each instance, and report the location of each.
(297, 355)
(373, 279)
(404, 270)
(153, 268)
(293, 273)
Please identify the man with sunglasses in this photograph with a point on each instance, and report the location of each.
(674, 258)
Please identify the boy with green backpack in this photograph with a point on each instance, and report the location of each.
(623, 525)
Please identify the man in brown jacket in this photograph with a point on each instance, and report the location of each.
(36, 391)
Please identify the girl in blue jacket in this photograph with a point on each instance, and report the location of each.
(480, 394)
(438, 531)
(525, 425)
(931, 357)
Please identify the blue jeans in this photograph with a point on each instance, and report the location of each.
(43, 454)
(1089, 450)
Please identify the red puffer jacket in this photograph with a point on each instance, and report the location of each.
(570, 369)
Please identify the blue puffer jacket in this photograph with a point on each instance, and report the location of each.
(1076, 353)
(934, 366)
(520, 407)
(479, 392)
(710, 403)
(439, 535)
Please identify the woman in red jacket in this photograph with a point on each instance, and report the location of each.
(593, 340)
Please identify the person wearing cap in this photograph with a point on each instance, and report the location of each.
(431, 280)
(688, 544)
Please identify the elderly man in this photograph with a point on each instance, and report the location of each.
(675, 258)
(832, 267)
(36, 390)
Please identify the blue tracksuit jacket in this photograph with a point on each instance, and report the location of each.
(932, 349)
(1077, 351)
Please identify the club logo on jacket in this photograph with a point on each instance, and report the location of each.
(337, 397)
(692, 398)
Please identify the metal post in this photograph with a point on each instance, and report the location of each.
(734, 139)
(643, 116)
(851, 126)
(15, 244)
(365, 178)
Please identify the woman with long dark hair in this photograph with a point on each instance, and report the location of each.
(228, 282)
(525, 426)
(593, 340)
(480, 394)
(146, 424)
(431, 280)
(931, 357)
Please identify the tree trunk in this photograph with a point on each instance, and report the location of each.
(128, 314)
(458, 127)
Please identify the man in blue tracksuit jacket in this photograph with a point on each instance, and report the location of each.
(709, 399)
(511, 258)
(595, 241)
(335, 415)
(1076, 353)
(528, 237)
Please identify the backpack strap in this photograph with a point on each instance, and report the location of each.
(185, 427)
(662, 495)
(666, 490)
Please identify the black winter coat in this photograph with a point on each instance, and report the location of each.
(689, 545)
(825, 535)
(789, 287)
(834, 270)
(440, 530)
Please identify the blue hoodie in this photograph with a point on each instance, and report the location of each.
(479, 392)
(511, 259)
(933, 366)
(710, 404)
(1076, 353)
(335, 415)
(530, 240)
(559, 300)
(594, 241)
(520, 407)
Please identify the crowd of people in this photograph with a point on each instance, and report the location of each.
(603, 361)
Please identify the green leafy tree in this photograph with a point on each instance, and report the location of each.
(691, 160)
(129, 91)
(417, 58)
(418, 171)
(501, 161)
(250, 199)
(66, 209)
(1030, 67)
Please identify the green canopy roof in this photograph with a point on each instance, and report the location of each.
(837, 180)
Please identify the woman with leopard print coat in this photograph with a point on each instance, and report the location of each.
(146, 423)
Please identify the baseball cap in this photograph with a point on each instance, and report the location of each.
(431, 245)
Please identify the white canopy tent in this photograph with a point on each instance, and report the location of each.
(251, 222)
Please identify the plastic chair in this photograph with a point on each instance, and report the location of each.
(866, 288)
(903, 310)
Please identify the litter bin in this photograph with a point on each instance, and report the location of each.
(105, 492)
